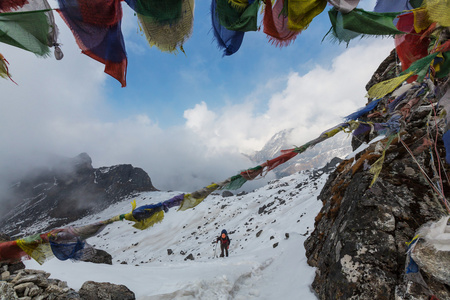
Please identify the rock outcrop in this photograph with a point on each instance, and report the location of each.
(26, 284)
(359, 243)
(68, 190)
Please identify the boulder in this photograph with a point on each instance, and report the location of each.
(105, 291)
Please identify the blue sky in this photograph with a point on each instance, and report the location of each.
(184, 119)
(166, 84)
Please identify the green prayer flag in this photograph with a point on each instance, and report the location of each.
(444, 68)
(238, 20)
(159, 11)
(415, 3)
(421, 66)
(348, 26)
(26, 30)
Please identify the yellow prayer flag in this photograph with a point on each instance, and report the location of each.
(383, 88)
(439, 11)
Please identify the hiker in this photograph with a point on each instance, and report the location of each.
(224, 242)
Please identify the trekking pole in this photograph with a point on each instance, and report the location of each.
(215, 247)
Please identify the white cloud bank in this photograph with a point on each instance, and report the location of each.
(60, 108)
(311, 103)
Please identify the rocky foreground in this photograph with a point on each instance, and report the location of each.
(24, 284)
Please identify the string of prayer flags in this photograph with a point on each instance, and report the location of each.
(275, 23)
(239, 180)
(227, 40)
(195, 198)
(344, 6)
(363, 22)
(96, 26)
(302, 12)
(169, 35)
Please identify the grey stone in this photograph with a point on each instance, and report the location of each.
(22, 288)
(432, 261)
(5, 275)
(105, 291)
(190, 257)
(7, 291)
(99, 256)
(227, 194)
(38, 279)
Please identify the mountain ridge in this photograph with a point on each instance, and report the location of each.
(67, 189)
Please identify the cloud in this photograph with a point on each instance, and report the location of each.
(61, 107)
(310, 103)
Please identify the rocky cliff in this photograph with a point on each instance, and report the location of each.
(360, 241)
(67, 190)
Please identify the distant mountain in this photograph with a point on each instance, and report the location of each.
(316, 157)
(177, 259)
(68, 189)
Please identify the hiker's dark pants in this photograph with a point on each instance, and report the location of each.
(224, 247)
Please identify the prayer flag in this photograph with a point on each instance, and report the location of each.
(168, 36)
(9, 5)
(347, 26)
(244, 19)
(159, 11)
(384, 6)
(228, 40)
(302, 12)
(438, 11)
(96, 27)
(276, 24)
(344, 6)
(411, 46)
(26, 30)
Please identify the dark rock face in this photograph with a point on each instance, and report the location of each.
(388, 69)
(68, 190)
(359, 242)
(91, 290)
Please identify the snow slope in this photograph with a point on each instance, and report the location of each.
(270, 264)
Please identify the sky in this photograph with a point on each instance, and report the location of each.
(254, 269)
(186, 119)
